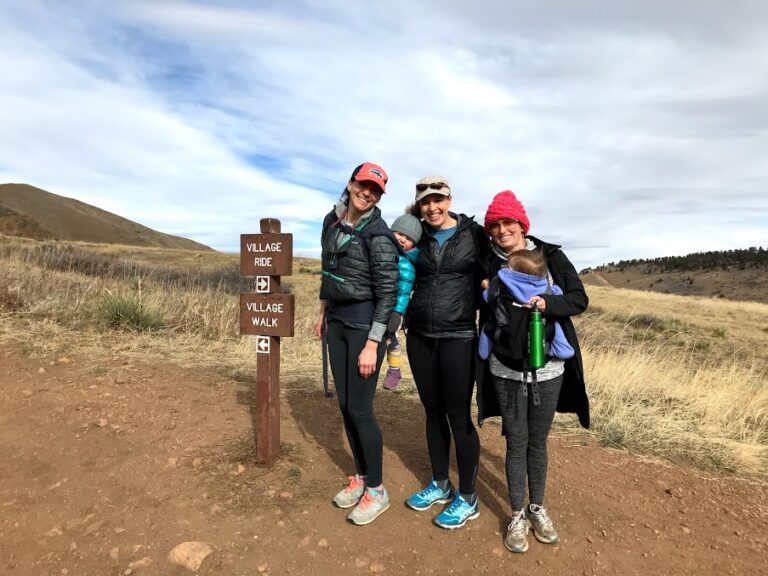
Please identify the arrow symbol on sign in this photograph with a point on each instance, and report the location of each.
(262, 345)
(262, 284)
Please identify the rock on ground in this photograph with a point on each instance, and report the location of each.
(190, 555)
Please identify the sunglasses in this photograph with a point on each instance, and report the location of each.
(434, 186)
(496, 224)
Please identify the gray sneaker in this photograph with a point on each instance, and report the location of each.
(516, 539)
(372, 505)
(351, 494)
(542, 525)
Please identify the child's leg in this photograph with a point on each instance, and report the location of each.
(392, 379)
(393, 352)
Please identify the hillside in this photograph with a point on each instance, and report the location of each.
(732, 274)
(30, 212)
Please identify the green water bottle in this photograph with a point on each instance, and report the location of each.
(535, 339)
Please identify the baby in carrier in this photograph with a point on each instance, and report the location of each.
(507, 296)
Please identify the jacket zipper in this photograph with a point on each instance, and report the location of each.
(438, 263)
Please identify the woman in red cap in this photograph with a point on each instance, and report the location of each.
(558, 385)
(357, 294)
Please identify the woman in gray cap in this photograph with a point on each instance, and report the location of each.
(441, 344)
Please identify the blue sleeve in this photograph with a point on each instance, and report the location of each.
(404, 284)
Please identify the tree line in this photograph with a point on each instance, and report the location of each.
(741, 259)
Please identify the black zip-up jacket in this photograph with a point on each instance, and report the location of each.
(574, 301)
(447, 290)
(359, 282)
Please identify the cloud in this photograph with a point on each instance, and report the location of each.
(624, 128)
(111, 141)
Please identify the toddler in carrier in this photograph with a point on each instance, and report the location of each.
(407, 230)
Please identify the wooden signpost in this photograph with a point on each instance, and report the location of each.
(268, 314)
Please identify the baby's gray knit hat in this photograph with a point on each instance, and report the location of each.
(408, 225)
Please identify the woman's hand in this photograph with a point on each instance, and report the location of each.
(484, 284)
(320, 320)
(319, 325)
(539, 301)
(366, 362)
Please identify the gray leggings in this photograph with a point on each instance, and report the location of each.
(526, 428)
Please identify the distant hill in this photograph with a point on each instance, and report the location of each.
(733, 274)
(30, 212)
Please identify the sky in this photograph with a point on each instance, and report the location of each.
(628, 129)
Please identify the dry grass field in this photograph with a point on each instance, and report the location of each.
(127, 417)
(682, 378)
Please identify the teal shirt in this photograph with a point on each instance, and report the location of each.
(442, 236)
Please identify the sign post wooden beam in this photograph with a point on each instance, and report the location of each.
(268, 314)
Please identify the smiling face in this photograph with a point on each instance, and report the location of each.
(434, 209)
(507, 234)
(362, 197)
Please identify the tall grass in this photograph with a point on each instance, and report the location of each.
(657, 401)
(661, 382)
(55, 256)
(126, 312)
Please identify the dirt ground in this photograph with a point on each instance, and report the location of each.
(106, 465)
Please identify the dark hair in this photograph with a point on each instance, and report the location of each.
(414, 210)
(528, 262)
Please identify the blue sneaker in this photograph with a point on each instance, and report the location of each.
(432, 494)
(457, 514)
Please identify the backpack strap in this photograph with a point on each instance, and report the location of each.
(493, 290)
(493, 295)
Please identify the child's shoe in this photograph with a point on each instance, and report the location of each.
(351, 494)
(392, 379)
(372, 505)
(457, 514)
(432, 494)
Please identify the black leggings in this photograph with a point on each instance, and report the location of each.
(355, 395)
(443, 369)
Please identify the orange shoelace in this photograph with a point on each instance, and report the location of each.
(354, 483)
(365, 500)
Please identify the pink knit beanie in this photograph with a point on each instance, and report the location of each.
(506, 205)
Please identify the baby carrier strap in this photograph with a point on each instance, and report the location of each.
(507, 325)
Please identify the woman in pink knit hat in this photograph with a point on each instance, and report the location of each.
(527, 400)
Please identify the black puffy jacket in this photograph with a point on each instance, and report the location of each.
(447, 290)
(359, 282)
(574, 301)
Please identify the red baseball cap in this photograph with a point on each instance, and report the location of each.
(371, 172)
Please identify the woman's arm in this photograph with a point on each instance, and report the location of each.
(574, 299)
(384, 275)
(320, 320)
